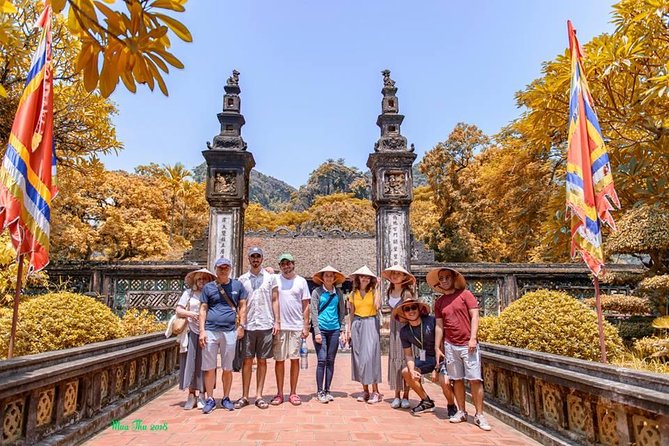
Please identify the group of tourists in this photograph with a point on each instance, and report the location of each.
(273, 313)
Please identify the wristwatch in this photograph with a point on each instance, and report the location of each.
(243, 326)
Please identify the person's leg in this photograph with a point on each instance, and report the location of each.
(477, 395)
(459, 391)
(414, 384)
(280, 349)
(332, 345)
(209, 356)
(261, 371)
(263, 352)
(446, 388)
(279, 368)
(295, 340)
(321, 355)
(247, 365)
(294, 375)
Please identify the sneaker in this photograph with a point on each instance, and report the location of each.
(375, 398)
(227, 404)
(329, 396)
(190, 402)
(209, 406)
(459, 417)
(396, 403)
(405, 404)
(322, 397)
(452, 410)
(200, 402)
(424, 406)
(481, 421)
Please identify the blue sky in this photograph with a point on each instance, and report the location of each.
(311, 82)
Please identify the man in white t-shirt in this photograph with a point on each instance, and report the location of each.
(261, 324)
(294, 301)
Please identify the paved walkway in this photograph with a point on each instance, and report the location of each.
(341, 422)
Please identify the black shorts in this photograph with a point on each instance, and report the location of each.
(426, 366)
(258, 344)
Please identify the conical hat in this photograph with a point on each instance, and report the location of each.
(363, 271)
(318, 277)
(398, 311)
(409, 277)
(432, 279)
(190, 277)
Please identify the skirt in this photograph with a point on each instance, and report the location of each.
(395, 356)
(365, 350)
(190, 365)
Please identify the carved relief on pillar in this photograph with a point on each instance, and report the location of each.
(225, 183)
(394, 184)
(579, 416)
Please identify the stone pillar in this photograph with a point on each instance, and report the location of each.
(392, 181)
(228, 168)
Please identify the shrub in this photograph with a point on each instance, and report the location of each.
(635, 327)
(656, 289)
(554, 322)
(138, 322)
(56, 321)
(622, 304)
(486, 324)
(652, 347)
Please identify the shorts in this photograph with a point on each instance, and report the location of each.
(287, 345)
(461, 364)
(426, 366)
(223, 342)
(258, 344)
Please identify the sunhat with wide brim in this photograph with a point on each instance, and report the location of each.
(318, 277)
(432, 279)
(398, 312)
(410, 279)
(190, 277)
(364, 271)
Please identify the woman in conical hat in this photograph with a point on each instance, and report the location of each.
(401, 287)
(327, 319)
(190, 372)
(364, 303)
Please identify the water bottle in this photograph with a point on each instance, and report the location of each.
(304, 358)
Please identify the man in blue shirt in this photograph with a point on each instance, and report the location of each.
(223, 304)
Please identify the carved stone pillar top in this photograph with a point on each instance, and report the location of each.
(389, 121)
(230, 118)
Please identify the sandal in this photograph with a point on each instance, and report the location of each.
(277, 400)
(363, 398)
(242, 402)
(261, 403)
(295, 399)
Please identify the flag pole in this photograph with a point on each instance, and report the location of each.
(600, 320)
(15, 314)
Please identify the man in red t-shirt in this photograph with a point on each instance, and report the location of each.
(457, 324)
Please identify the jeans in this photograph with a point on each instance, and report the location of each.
(326, 352)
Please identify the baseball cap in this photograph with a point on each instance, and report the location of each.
(255, 250)
(222, 262)
(286, 256)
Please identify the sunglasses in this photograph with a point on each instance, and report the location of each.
(411, 308)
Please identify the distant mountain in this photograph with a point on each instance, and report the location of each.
(418, 178)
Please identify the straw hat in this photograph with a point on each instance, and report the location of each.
(364, 271)
(190, 277)
(410, 279)
(432, 279)
(398, 312)
(318, 277)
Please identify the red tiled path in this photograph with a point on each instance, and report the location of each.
(341, 422)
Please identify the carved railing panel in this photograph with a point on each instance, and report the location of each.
(580, 401)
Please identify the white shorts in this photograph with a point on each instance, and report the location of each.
(461, 364)
(223, 342)
(287, 345)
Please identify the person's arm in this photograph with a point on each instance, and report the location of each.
(377, 297)
(313, 312)
(342, 313)
(306, 312)
(474, 316)
(241, 307)
(411, 365)
(439, 339)
(203, 317)
(276, 310)
(351, 315)
(182, 304)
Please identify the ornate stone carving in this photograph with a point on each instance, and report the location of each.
(45, 406)
(579, 416)
(502, 386)
(227, 143)
(225, 183)
(233, 81)
(284, 232)
(516, 399)
(608, 426)
(387, 81)
(12, 420)
(118, 385)
(104, 385)
(552, 403)
(646, 431)
(132, 374)
(161, 362)
(488, 379)
(394, 184)
(142, 369)
(70, 398)
(394, 144)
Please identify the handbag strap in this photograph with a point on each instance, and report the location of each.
(322, 308)
(221, 290)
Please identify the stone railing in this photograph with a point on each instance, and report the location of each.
(559, 400)
(63, 396)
